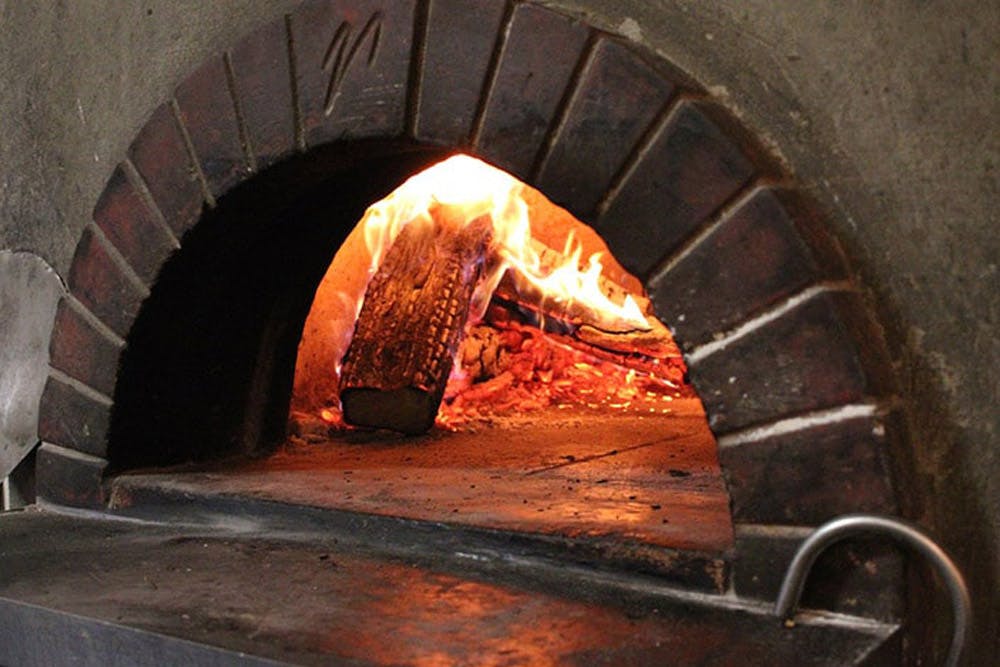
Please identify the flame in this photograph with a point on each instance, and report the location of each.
(474, 188)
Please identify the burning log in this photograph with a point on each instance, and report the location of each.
(580, 322)
(411, 322)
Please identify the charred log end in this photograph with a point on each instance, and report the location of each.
(411, 323)
(412, 410)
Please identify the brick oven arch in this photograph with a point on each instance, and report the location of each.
(780, 343)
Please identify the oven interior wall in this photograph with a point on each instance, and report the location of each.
(209, 363)
(914, 85)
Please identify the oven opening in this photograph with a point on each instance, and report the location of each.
(419, 336)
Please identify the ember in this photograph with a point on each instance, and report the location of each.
(465, 312)
(516, 368)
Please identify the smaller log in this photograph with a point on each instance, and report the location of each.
(654, 341)
(411, 322)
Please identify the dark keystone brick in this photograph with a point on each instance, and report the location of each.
(65, 477)
(352, 64)
(81, 352)
(814, 356)
(461, 35)
(619, 95)
(753, 259)
(131, 227)
(541, 53)
(263, 84)
(101, 286)
(70, 419)
(809, 476)
(689, 171)
(161, 158)
(858, 576)
(814, 231)
(207, 110)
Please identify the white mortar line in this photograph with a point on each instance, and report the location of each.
(492, 75)
(641, 149)
(724, 213)
(74, 454)
(80, 387)
(777, 312)
(802, 422)
(195, 161)
(119, 260)
(139, 183)
(94, 321)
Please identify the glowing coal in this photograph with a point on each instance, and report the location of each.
(569, 325)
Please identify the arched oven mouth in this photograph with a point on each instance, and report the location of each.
(595, 446)
(174, 354)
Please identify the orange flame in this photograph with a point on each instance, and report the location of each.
(475, 189)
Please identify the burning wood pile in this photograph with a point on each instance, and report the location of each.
(466, 311)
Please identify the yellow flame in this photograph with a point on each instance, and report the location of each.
(475, 188)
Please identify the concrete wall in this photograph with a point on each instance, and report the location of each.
(886, 112)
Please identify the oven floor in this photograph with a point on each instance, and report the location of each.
(222, 589)
(649, 479)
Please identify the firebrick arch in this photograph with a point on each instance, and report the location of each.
(780, 344)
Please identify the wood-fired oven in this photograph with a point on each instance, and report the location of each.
(173, 357)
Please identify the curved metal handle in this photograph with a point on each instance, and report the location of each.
(856, 524)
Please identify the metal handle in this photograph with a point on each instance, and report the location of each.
(855, 524)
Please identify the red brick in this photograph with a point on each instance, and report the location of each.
(458, 31)
(102, 286)
(71, 419)
(810, 476)
(263, 83)
(209, 116)
(754, 258)
(537, 64)
(82, 352)
(618, 96)
(70, 479)
(131, 227)
(162, 159)
(690, 169)
(817, 355)
(370, 99)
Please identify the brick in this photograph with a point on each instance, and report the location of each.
(263, 84)
(209, 116)
(363, 93)
(80, 351)
(617, 98)
(160, 156)
(859, 577)
(68, 478)
(809, 476)
(458, 31)
(537, 64)
(754, 258)
(71, 419)
(101, 285)
(816, 355)
(813, 228)
(130, 225)
(691, 168)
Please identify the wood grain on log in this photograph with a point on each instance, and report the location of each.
(411, 322)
